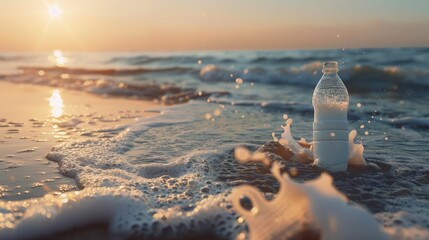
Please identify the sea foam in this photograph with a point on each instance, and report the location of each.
(148, 200)
(178, 198)
(185, 196)
(315, 206)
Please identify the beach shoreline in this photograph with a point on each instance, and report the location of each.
(122, 167)
(36, 123)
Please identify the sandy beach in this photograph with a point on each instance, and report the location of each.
(35, 118)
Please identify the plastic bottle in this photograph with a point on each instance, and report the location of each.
(330, 126)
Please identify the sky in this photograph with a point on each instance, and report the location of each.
(186, 25)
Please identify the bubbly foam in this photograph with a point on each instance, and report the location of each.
(188, 195)
(315, 205)
(305, 154)
(148, 200)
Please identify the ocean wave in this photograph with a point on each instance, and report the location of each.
(423, 50)
(402, 61)
(106, 71)
(179, 59)
(414, 122)
(358, 78)
(7, 58)
(283, 106)
(280, 60)
(213, 73)
(163, 93)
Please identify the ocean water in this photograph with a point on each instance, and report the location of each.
(171, 176)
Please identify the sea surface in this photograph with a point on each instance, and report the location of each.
(171, 175)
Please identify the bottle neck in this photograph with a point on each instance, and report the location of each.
(330, 72)
(330, 68)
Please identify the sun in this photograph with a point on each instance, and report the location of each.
(54, 11)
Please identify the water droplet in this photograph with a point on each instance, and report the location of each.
(242, 154)
(273, 134)
(217, 112)
(241, 236)
(293, 171)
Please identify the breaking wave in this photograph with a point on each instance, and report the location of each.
(107, 72)
(358, 79)
(164, 92)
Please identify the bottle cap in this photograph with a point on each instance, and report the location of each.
(330, 67)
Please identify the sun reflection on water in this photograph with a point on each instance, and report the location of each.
(58, 58)
(56, 104)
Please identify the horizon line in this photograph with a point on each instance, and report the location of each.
(217, 50)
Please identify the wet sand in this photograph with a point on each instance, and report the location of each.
(34, 118)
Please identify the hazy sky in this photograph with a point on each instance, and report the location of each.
(161, 25)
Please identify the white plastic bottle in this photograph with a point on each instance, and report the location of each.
(330, 126)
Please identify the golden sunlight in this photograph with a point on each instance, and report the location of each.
(54, 11)
(58, 58)
(56, 104)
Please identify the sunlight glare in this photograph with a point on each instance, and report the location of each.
(56, 104)
(57, 53)
(58, 58)
(54, 11)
